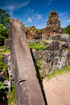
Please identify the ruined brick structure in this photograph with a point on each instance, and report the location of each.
(32, 33)
(53, 26)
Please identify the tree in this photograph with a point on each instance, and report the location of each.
(4, 21)
(67, 30)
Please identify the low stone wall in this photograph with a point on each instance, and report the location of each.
(60, 37)
(56, 56)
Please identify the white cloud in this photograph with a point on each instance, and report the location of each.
(50, 2)
(12, 7)
(29, 20)
(63, 14)
(39, 17)
(68, 20)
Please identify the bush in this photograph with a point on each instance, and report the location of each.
(38, 46)
(67, 30)
(4, 21)
(39, 64)
(2, 38)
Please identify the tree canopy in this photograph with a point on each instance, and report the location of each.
(4, 21)
(67, 30)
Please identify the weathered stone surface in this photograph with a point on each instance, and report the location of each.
(28, 91)
(53, 26)
(32, 33)
(60, 61)
(6, 44)
(6, 59)
(48, 55)
(56, 45)
(3, 75)
(56, 56)
(60, 37)
(8, 84)
(37, 54)
(45, 68)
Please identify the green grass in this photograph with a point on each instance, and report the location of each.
(58, 40)
(39, 64)
(60, 72)
(64, 47)
(12, 96)
(38, 46)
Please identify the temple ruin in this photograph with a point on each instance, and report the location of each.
(53, 26)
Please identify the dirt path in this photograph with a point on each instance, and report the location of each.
(57, 90)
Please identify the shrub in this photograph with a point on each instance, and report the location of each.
(67, 30)
(4, 21)
(38, 46)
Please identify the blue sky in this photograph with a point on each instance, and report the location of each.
(35, 12)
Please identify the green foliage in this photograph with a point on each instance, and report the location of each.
(3, 66)
(60, 72)
(40, 30)
(2, 38)
(4, 21)
(12, 96)
(55, 28)
(64, 47)
(39, 76)
(38, 46)
(2, 85)
(25, 26)
(67, 30)
(4, 17)
(57, 40)
(39, 64)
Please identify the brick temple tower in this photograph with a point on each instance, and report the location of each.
(53, 25)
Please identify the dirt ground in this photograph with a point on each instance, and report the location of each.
(57, 90)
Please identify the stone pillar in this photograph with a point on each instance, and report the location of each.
(28, 90)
